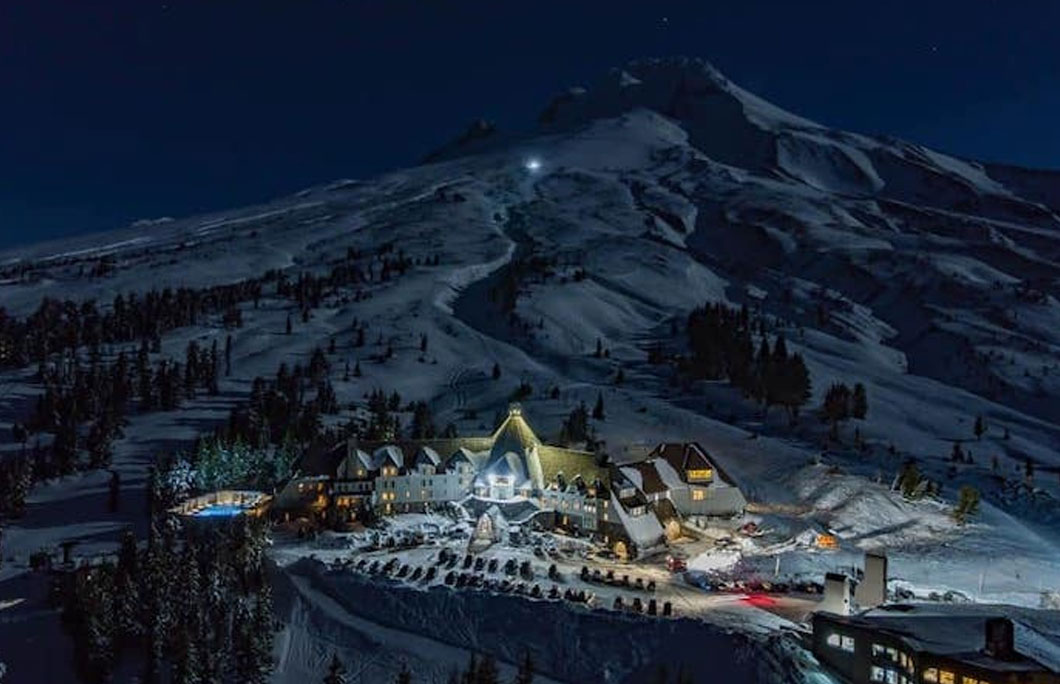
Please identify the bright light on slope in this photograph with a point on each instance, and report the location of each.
(532, 164)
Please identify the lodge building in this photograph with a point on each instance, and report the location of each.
(941, 644)
(629, 506)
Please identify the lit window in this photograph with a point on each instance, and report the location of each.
(876, 674)
(969, 680)
(947, 677)
(700, 474)
(848, 644)
(878, 650)
(892, 653)
(931, 675)
(892, 677)
(698, 494)
(833, 640)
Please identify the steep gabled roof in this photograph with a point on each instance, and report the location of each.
(514, 435)
(463, 454)
(426, 456)
(317, 460)
(685, 456)
(646, 477)
(389, 454)
(355, 460)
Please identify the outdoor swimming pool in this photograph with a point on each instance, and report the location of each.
(219, 511)
(228, 503)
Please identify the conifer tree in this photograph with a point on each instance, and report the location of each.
(127, 608)
(186, 655)
(598, 409)
(525, 674)
(859, 402)
(486, 672)
(967, 504)
(336, 672)
(836, 406)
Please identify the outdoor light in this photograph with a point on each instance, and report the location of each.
(533, 164)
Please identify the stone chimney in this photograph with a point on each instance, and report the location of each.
(872, 590)
(1000, 638)
(837, 594)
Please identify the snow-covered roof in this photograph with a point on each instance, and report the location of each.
(644, 530)
(426, 456)
(388, 454)
(670, 477)
(509, 465)
(633, 475)
(959, 631)
(514, 435)
(354, 461)
(462, 454)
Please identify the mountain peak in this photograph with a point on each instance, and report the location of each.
(724, 121)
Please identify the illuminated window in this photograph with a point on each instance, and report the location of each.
(848, 644)
(892, 677)
(833, 640)
(892, 653)
(878, 650)
(969, 680)
(931, 675)
(700, 474)
(876, 674)
(698, 494)
(947, 677)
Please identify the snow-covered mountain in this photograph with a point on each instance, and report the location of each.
(932, 279)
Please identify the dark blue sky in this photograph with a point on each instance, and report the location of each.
(112, 111)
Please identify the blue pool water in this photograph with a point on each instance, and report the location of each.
(220, 511)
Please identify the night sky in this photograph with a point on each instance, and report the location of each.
(112, 111)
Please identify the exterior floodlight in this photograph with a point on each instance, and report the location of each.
(533, 165)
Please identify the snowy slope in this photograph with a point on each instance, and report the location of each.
(660, 188)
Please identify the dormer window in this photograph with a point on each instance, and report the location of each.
(700, 474)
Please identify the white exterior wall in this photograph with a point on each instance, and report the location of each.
(718, 499)
(579, 510)
(422, 486)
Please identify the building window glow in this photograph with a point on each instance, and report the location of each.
(698, 495)
(947, 677)
(700, 474)
(833, 640)
(931, 675)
